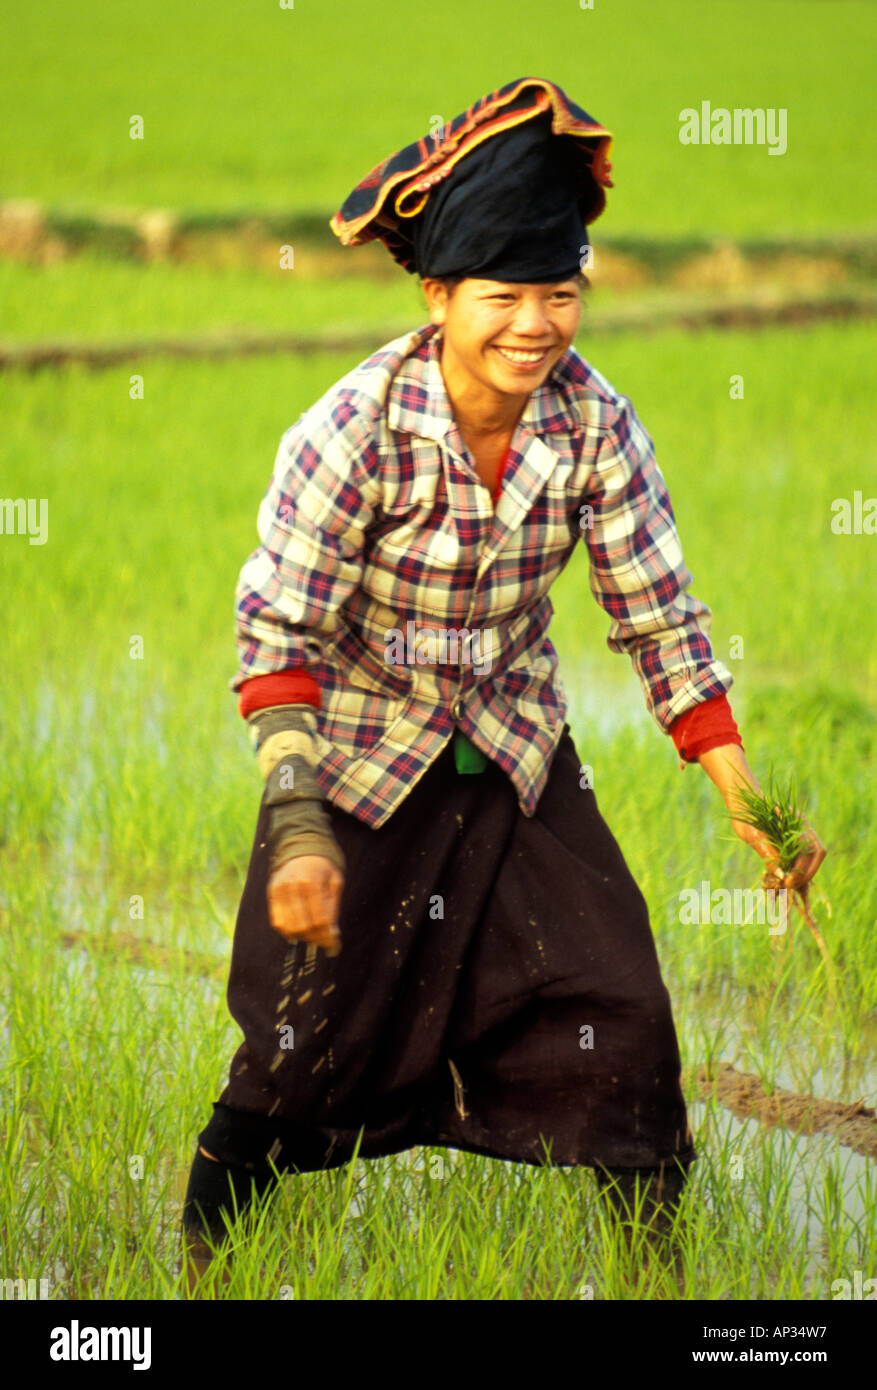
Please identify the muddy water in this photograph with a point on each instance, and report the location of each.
(831, 1075)
(811, 1063)
(808, 1159)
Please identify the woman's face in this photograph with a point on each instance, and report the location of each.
(503, 338)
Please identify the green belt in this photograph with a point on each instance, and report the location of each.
(467, 757)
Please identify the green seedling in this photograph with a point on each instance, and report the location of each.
(776, 815)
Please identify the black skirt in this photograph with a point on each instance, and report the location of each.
(497, 991)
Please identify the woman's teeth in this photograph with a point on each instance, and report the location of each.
(520, 357)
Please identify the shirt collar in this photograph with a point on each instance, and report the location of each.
(418, 402)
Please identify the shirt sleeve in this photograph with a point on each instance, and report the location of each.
(639, 577)
(312, 523)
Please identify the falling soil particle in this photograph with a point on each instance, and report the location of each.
(853, 1125)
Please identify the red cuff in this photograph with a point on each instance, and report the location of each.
(293, 687)
(708, 725)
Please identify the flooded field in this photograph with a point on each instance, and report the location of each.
(143, 284)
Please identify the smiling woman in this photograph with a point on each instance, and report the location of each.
(501, 340)
(498, 990)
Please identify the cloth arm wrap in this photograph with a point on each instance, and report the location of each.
(283, 737)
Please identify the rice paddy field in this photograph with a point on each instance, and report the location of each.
(128, 791)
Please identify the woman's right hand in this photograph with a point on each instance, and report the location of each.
(304, 896)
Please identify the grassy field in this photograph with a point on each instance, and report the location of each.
(128, 791)
(248, 104)
(93, 298)
(131, 779)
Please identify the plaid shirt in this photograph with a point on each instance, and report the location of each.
(385, 571)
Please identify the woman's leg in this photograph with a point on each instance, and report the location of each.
(217, 1193)
(649, 1195)
(340, 1052)
(563, 1029)
(217, 1190)
(517, 948)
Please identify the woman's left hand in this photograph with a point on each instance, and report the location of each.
(728, 768)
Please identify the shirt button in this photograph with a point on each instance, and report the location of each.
(457, 709)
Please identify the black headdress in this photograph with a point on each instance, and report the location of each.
(503, 192)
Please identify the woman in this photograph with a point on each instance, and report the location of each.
(488, 979)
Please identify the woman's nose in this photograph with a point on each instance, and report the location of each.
(532, 320)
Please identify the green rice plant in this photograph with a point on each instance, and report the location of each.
(108, 1052)
(776, 815)
(265, 132)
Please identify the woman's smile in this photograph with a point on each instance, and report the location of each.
(524, 359)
